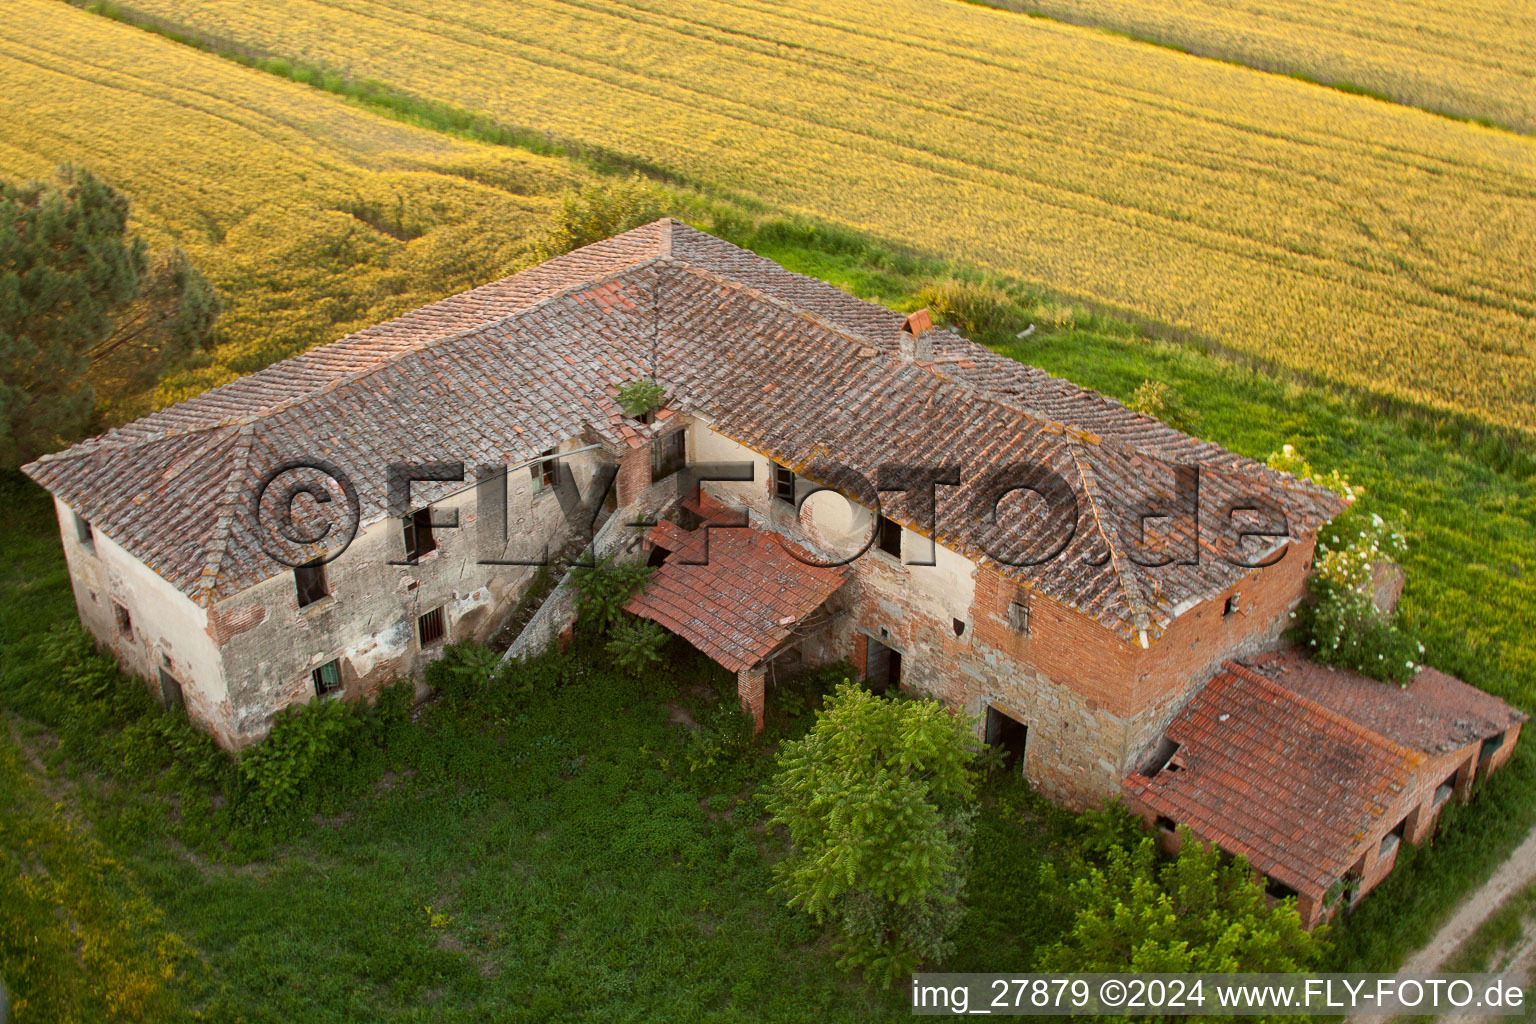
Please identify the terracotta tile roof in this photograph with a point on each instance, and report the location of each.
(1435, 713)
(785, 364)
(742, 599)
(1272, 775)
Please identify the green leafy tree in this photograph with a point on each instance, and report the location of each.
(83, 309)
(1200, 911)
(878, 801)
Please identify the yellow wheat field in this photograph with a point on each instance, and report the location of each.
(312, 217)
(1376, 244)
(1466, 58)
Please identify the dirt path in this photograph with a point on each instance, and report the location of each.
(1511, 877)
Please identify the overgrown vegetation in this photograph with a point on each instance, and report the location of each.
(1199, 911)
(1340, 623)
(1156, 399)
(640, 397)
(603, 588)
(597, 211)
(878, 803)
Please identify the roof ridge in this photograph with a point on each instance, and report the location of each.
(218, 544)
(1140, 611)
(353, 377)
(1412, 757)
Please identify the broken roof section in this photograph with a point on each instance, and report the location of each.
(1435, 713)
(736, 593)
(1292, 764)
(1281, 780)
(788, 366)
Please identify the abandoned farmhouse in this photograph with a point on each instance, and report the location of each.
(1105, 594)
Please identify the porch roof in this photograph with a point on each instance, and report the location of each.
(735, 593)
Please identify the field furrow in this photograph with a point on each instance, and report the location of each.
(1372, 244)
(1472, 61)
(312, 217)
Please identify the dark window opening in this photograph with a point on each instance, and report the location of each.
(784, 484)
(669, 454)
(1277, 889)
(1018, 616)
(170, 690)
(888, 536)
(1008, 735)
(429, 628)
(1230, 608)
(1166, 823)
(83, 531)
(1162, 757)
(1490, 745)
(657, 556)
(309, 581)
(544, 474)
(124, 620)
(1391, 839)
(418, 534)
(1445, 789)
(959, 627)
(882, 667)
(327, 677)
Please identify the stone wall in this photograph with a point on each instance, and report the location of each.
(166, 628)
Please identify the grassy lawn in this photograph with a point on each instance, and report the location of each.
(557, 859)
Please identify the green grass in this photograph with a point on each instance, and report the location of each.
(574, 866)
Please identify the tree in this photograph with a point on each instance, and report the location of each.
(83, 309)
(1201, 911)
(597, 211)
(878, 802)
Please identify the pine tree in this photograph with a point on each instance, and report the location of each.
(83, 310)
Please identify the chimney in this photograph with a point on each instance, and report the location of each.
(914, 343)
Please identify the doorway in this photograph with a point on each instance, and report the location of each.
(1008, 735)
(882, 667)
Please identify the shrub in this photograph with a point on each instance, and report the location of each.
(603, 588)
(464, 672)
(640, 397)
(1197, 912)
(635, 645)
(980, 312)
(1342, 626)
(725, 732)
(1160, 401)
(1339, 622)
(597, 211)
(305, 738)
(878, 801)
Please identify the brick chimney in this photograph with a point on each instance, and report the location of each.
(915, 343)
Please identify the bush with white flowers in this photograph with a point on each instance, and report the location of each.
(1340, 623)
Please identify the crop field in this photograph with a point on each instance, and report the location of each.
(1469, 60)
(1368, 243)
(311, 216)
